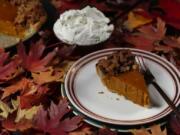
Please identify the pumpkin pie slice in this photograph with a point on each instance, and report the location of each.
(19, 20)
(120, 73)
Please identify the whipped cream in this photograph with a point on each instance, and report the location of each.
(88, 26)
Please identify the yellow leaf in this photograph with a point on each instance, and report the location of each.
(21, 113)
(154, 130)
(26, 113)
(6, 110)
(136, 20)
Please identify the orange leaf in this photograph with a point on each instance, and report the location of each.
(135, 19)
(21, 85)
(154, 130)
(49, 75)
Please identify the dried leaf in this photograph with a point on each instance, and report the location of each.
(27, 114)
(10, 125)
(137, 19)
(54, 123)
(172, 42)
(65, 51)
(49, 75)
(9, 67)
(23, 85)
(33, 61)
(6, 110)
(147, 36)
(155, 130)
(106, 131)
(29, 99)
(21, 113)
(175, 124)
(171, 12)
(84, 131)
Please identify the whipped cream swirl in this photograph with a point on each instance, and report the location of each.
(88, 26)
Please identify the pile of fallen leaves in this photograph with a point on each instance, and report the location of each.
(30, 87)
(30, 79)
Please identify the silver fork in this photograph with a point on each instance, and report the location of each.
(150, 79)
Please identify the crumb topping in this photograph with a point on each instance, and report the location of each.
(118, 62)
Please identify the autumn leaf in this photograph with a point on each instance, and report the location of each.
(172, 42)
(84, 131)
(22, 85)
(175, 124)
(155, 130)
(106, 131)
(54, 124)
(137, 18)
(6, 110)
(10, 125)
(49, 75)
(27, 114)
(33, 61)
(36, 95)
(21, 113)
(170, 12)
(9, 67)
(4, 132)
(147, 36)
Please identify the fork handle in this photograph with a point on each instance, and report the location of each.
(167, 99)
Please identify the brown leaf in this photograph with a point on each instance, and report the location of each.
(84, 131)
(155, 130)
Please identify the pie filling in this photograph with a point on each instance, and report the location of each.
(17, 17)
(120, 73)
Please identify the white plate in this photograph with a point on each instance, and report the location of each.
(118, 128)
(83, 88)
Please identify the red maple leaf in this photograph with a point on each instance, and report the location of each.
(147, 36)
(171, 12)
(51, 121)
(33, 61)
(8, 66)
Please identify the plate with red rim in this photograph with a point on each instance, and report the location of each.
(118, 128)
(89, 96)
